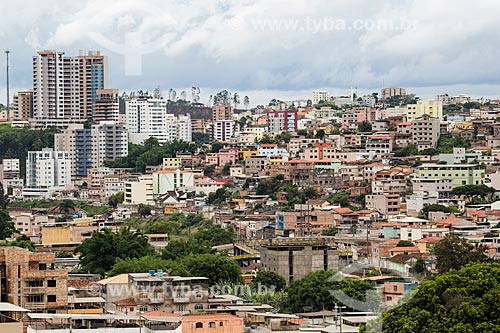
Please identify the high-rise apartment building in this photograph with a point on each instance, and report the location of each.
(386, 93)
(147, 118)
(318, 96)
(184, 128)
(109, 141)
(224, 130)
(282, 121)
(48, 169)
(22, 106)
(106, 105)
(65, 87)
(222, 112)
(425, 132)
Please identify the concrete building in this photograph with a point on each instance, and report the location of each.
(386, 93)
(65, 87)
(106, 106)
(172, 180)
(293, 262)
(22, 106)
(461, 174)
(147, 117)
(30, 280)
(282, 121)
(222, 112)
(48, 169)
(184, 128)
(213, 323)
(319, 95)
(109, 141)
(388, 204)
(139, 190)
(10, 173)
(425, 132)
(224, 130)
(433, 109)
(77, 141)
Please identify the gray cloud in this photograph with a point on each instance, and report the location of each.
(252, 46)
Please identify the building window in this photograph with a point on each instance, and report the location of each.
(143, 308)
(42, 267)
(198, 307)
(198, 325)
(51, 283)
(221, 324)
(51, 298)
(211, 324)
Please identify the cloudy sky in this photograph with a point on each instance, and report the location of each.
(266, 48)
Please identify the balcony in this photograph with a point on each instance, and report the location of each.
(35, 305)
(181, 299)
(156, 300)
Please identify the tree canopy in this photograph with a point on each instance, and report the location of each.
(457, 301)
(312, 292)
(150, 153)
(453, 252)
(99, 253)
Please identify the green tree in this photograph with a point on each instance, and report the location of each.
(200, 138)
(217, 146)
(339, 198)
(178, 248)
(457, 301)
(471, 191)
(331, 231)
(313, 291)
(320, 134)
(453, 252)
(66, 206)
(144, 210)
(98, 254)
(6, 225)
(215, 267)
(409, 150)
(116, 199)
(215, 235)
(404, 243)
(21, 241)
(139, 265)
(269, 279)
(365, 126)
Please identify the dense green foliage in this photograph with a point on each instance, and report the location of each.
(435, 208)
(91, 210)
(409, 150)
(446, 144)
(364, 126)
(6, 225)
(116, 199)
(454, 252)
(150, 153)
(312, 292)
(457, 301)
(16, 142)
(179, 248)
(332, 231)
(471, 191)
(21, 241)
(269, 279)
(100, 252)
(293, 194)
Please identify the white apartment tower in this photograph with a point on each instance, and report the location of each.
(147, 118)
(48, 169)
(319, 95)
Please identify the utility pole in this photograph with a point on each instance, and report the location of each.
(8, 92)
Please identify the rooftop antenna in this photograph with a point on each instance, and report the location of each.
(8, 92)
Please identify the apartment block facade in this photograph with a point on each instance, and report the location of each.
(29, 280)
